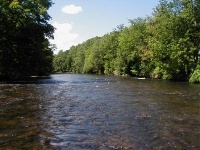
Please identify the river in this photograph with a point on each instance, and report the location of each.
(73, 111)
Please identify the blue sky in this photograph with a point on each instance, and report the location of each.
(79, 20)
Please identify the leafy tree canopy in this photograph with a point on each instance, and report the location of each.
(165, 45)
(24, 45)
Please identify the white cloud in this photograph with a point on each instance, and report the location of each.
(71, 9)
(63, 36)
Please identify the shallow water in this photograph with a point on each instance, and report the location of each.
(71, 111)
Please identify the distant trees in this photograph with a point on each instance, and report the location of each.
(165, 46)
(24, 45)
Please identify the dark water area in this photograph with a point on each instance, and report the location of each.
(71, 111)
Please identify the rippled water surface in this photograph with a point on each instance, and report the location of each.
(70, 111)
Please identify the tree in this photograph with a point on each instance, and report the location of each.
(174, 32)
(165, 45)
(78, 58)
(110, 46)
(24, 45)
(195, 76)
(59, 62)
(130, 41)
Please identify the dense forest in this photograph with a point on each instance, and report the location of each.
(165, 45)
(24, 47)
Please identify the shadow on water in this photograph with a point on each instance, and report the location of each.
(55, 79)
(20, 125)
(30, 80)
(68, 111)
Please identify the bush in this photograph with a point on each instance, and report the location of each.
(195, 77)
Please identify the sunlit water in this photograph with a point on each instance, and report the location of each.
(70, 111)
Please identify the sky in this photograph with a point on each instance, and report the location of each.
(79, 20)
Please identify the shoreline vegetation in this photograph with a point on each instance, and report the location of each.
(162, 46)
(24, 42)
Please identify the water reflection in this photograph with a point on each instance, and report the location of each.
(99, 112)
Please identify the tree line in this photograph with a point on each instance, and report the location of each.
(24, 32)
(165, 45)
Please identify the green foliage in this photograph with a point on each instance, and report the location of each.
(131, 41)
(24, 47)
(110, 45)
(59, 62)
(165, 46)
(195, 77)
(174, 29)
(94, 62)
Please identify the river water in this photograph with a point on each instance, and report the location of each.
(72, 111)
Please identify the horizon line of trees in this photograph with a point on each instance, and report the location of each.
(165, 45)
